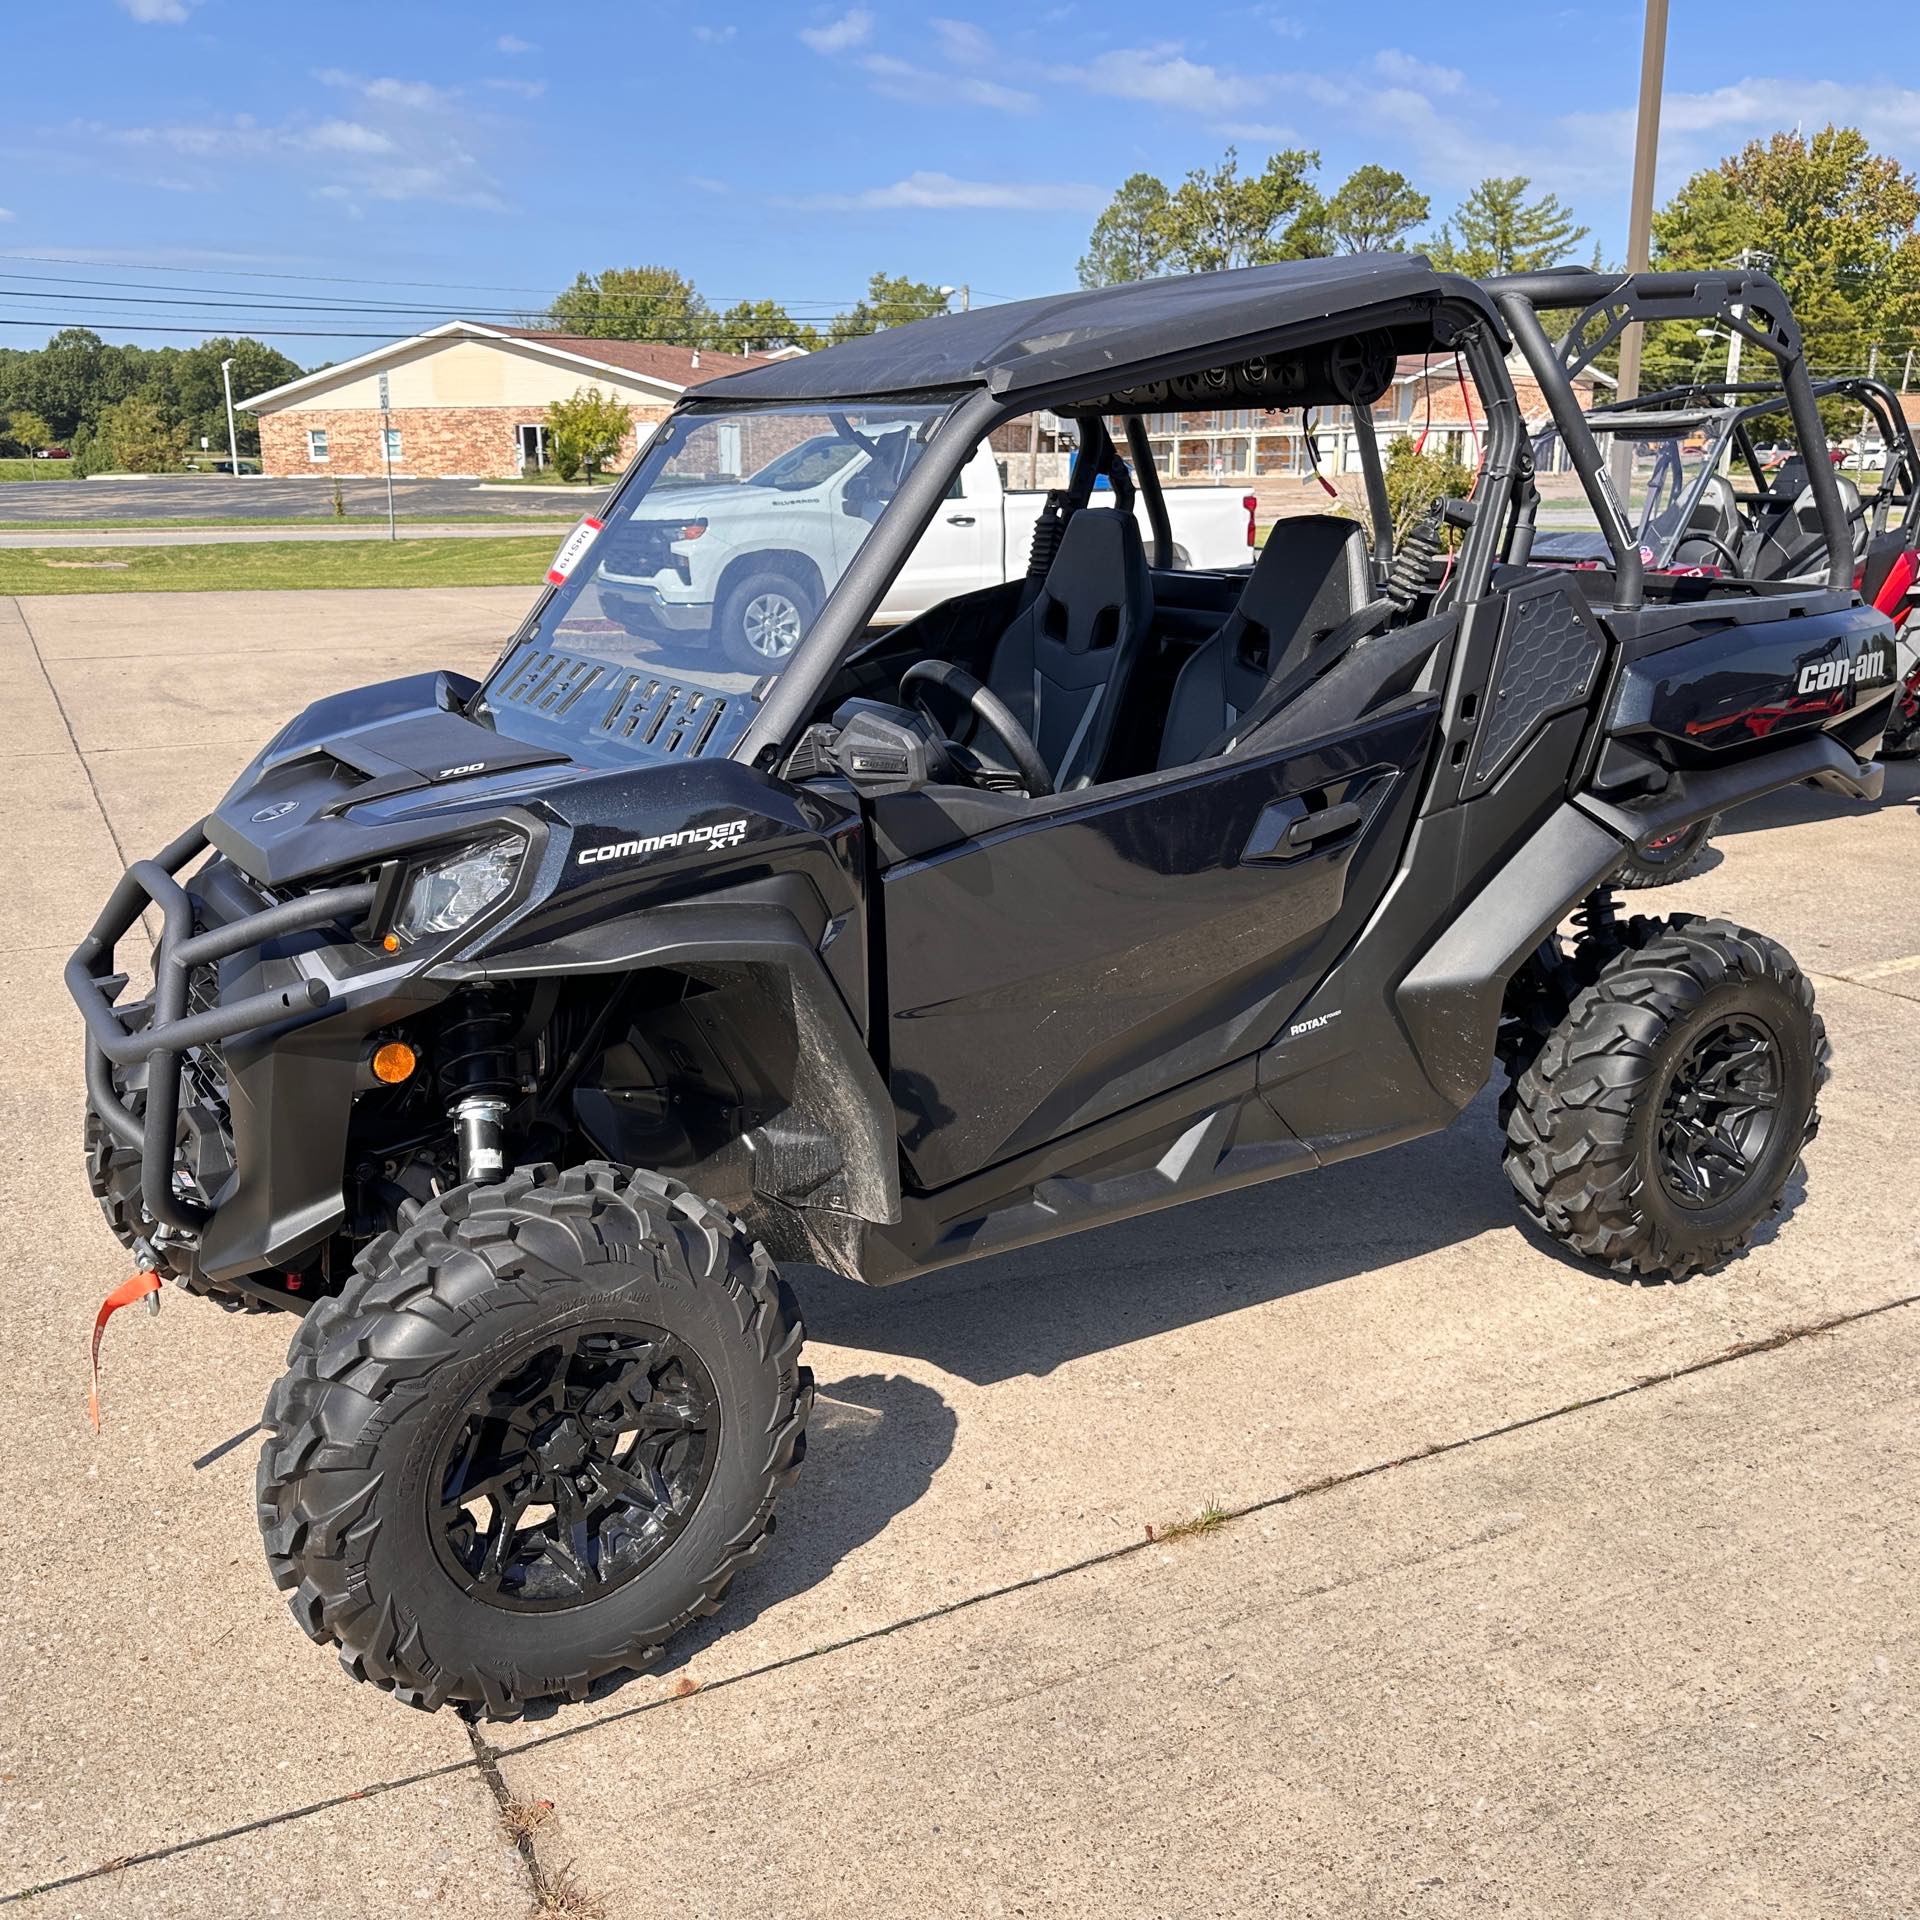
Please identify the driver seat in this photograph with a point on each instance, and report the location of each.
(1065, 663)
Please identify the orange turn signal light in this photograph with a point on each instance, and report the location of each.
(391, 944)
(395, 1062)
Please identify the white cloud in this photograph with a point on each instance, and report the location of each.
(1287, 27)
(512, 43)
(705, 183)
(1163, 76)
(525, 89)
(962, 42)
(6, 213)
(159, 13)
(715, 36)
(941, 192)
(1265, 133)
(416, 95)
(347, 136)
(1403, 70)
(902, 80)
(854, 28)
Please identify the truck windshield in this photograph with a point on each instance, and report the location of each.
(712, 563)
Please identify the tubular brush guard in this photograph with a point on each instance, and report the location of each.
(171, 1031)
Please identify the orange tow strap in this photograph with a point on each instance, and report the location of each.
(123, 1295)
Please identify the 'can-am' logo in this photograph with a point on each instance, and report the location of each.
(722, 834)
(1860, 671)
(278, 812)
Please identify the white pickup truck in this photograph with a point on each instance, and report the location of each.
(756, 574)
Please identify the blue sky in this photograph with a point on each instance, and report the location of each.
(190, 148)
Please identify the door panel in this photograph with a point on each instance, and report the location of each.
(1112, 944)
(960, 550)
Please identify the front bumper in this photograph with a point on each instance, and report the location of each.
(213, 984)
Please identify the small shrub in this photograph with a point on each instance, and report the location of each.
(1415, 480)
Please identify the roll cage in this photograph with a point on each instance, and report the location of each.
(1602, 306)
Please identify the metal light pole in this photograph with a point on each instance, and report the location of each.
(386, 450)
(233, 439)
(964, 291)
(1646, 149)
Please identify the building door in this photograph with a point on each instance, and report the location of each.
(533, 446)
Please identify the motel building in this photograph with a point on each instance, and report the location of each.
(465, 401)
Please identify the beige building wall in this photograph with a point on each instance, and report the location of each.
(479, 373)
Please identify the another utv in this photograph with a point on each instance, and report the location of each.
(512, 1032)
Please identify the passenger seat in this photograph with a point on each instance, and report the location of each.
(1311, 576)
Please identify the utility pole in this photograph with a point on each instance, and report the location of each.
(965, 292)
(1646, 149)
(233, 439)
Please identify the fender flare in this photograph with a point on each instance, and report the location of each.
(1451, 998)
(755, 939)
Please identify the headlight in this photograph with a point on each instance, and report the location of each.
(443, 897)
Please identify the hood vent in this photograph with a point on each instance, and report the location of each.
(644, 708)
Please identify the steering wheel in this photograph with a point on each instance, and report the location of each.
(988, 708)
(1708, 539)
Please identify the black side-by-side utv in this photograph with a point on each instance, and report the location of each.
(513, 1033)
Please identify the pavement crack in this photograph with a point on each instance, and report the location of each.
(66, 720)
(556, 1894)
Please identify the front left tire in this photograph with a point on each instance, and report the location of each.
(539, 1431)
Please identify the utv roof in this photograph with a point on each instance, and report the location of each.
(1065, 337)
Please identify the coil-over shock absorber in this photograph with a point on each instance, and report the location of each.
(476, 1079)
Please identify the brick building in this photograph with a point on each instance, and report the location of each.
(466, 401)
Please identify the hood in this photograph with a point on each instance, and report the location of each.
(366, 773)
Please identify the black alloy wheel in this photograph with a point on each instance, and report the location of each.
(573, 1472)
(1719, 1110)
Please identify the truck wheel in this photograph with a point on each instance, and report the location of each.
(1660, 1120)
(113, 1172)
(762, 617)
(540, 1429)
(1667, 857)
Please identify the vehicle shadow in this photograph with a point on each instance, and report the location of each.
(1803, 805)
(1027, 1313)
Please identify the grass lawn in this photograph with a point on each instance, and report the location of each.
(520, 561)
(36, 469)
(118, 523)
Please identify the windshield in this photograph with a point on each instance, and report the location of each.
(711, 565)
(1668, 461)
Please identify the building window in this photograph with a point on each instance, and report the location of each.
(316, 443)
(532, 445)
(392, 437)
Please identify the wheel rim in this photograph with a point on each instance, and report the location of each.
(575, 1470)
(771, 624)
(1719, 1112)
(1664, 846)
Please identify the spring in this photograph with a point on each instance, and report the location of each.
(475, 1050)
(1598, 916)
(1407, 578)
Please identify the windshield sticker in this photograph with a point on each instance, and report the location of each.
(571, 548)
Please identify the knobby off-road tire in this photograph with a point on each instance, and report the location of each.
(483, 1292)
(113, 1172)
(1673, 857)
(1598, 1116)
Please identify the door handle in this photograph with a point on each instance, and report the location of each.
(959, 519)
(1311, 828)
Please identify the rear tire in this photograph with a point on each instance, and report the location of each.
(1660, 1120)
(598, 1360)
(1668, 857)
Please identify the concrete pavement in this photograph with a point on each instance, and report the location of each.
(248, 536)
(1639, 1639)
(204, 499)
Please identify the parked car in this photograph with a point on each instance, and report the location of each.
(52, 453)
(717, 563)
(514, 1032)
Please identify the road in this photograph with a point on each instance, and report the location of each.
(208, 499)
(1541, 1595)
(294, 530)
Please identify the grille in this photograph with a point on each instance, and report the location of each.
(1549, 654)
(647, 709)
(204, 1070)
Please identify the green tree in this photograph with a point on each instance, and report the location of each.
(892, 301)
(26, 431)
(140, 437)
(1835, 219)
(760, 326)
(1415, 480)
(199, 402)
(1129, 240)
(1497, 229)
(584, 431)
(1375, 209)
(1224, 218)
(634, 303)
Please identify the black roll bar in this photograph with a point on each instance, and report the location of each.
(170, 1031)
(1625, 300)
